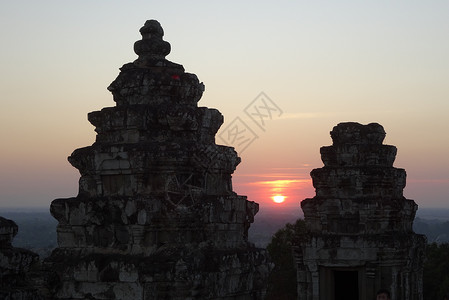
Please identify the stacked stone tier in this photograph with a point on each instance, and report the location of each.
(161, 123)
(155, 85)
(369, 250)
(176, 273)
(132, 169)
(347, 155)
(369, 215)
(355, 182)
(142, 224)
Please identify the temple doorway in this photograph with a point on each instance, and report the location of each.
(341, 284)
(346, 285)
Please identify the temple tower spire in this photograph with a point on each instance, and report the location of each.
(156, 216)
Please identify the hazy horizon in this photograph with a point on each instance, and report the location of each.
(282, 209)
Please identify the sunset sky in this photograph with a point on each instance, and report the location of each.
(319, 62)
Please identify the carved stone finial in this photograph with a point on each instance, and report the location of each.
(8, 230)
(16, 265)
(355, 133)
(152, 48)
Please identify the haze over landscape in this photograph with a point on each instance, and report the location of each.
(320, 63)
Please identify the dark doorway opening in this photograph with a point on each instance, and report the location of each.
(346, 284)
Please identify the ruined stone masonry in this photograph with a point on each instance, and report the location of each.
(156, 216)
(16, 266)
(360, 235)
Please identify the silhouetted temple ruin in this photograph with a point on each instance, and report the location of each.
(360, 225)
(156, 216)
(16, 266)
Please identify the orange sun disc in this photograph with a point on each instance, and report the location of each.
(278, 199)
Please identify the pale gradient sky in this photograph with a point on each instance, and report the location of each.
(321, 62)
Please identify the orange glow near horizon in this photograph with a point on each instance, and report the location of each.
(273, 189)
(278, 189)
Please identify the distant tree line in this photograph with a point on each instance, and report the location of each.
(282, 280)
(436, 271)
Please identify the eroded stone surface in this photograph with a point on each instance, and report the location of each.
(359, 222)
(15, 266)
(156, 216)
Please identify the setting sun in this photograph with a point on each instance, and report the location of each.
(278, 199)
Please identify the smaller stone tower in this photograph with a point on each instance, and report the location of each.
(15, 266)
(360, 225)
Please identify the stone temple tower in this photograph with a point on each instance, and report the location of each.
(156, 216)
(360, 236)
